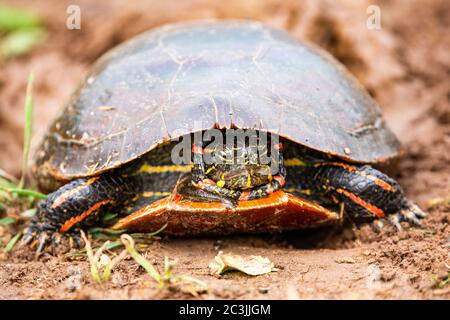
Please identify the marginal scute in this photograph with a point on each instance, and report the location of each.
(194, 76)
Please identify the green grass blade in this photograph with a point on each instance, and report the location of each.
(6, 221)
(112, 263)
(106, 231)
(148, 234)
(113, 245)
(6, 176)
(4, 183)
(167, 269)
(25, 193)
(30, 213)
(20, 42)
(5, 197)
(109, 216)
(92, 262)
(144, 263)
(82, 252)
(14, 19)
(107, 272)
(151, 234)
(12, 242)
(27, 129)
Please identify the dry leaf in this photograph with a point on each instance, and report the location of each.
(251, 265)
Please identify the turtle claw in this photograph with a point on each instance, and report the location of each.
(42, 239)
(377, 225)
(412, 214)
(76, 239)
(42, 242)
(394, 220)
(28, 235)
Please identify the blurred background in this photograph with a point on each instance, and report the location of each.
(404, 64)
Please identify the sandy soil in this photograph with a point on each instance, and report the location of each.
(405, 66)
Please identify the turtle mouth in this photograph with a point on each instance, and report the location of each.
(245, 178)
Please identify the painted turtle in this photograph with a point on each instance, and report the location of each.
(113, 147)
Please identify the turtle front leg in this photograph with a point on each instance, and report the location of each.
(63, 212)
(367, 194)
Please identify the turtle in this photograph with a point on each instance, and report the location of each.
(136, 140)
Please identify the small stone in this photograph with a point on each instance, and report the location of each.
(345, 260)
(347, 151)
(387, 275)
(104, 261)
(263, 290)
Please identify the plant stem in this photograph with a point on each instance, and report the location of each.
(27, 128)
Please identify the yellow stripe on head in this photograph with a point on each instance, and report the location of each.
(294, 162)
(249, 181)
(149, 194)
(220, 183)
(169, 168)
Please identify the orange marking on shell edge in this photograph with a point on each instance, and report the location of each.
(62, 198)
(371, 208)
(176, 198)
(204, 183)
(244, 196)
(280, 180)
(278, 211)
(278, 146)
(196, 149)
(69, 223)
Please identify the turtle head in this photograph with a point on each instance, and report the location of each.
(238, 167)
(240, 170)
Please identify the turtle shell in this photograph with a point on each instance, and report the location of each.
(186, 77)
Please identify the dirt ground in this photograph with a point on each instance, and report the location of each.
(405, 66)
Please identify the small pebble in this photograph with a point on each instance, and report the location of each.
(345, 260)
(263, 290)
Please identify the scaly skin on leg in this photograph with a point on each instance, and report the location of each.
(367, 194)
(69, 206)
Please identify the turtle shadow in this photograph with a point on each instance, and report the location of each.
(331, 237)
(327, 237)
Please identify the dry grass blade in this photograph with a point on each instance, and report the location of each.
(191, 285)
(25, 193)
